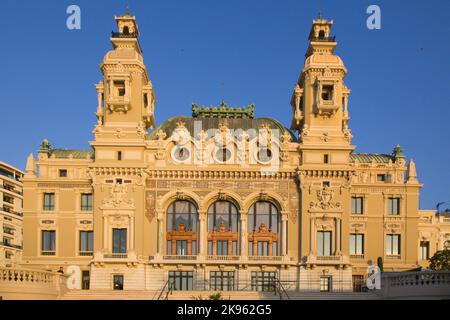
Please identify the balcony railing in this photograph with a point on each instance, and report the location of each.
(7, 210)
(324, 39)
(124, 35)
(357, 256)
(180, 257)
(8, 231)
(8, 201)
(328, 258)
(11, 189)
(10, 245)
(393, 257)
(265, 258)
(48, 253)
(85, 253)
(116, 256)
(222, 258)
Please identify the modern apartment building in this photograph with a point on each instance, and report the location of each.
(11, 198)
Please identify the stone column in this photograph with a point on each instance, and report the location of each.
(338, 236)
(106, 244)
(132, 233)
(284, 220)
(160, 248)
(243, 236)
(313, 236)
(202, 233)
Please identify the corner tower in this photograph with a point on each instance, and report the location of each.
(320, 98)
(125, 95)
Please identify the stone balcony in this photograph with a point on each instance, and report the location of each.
(221, 259)
(334, 260)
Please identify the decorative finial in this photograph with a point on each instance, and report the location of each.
(127, 10)
(45, 145)
(319, 15)
(398, 152)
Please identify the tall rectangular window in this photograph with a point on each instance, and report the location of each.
(119, 240)
(86, 242)
(181, 280)
(324, 243)
(119, 155)
(85, 280)
(356, 244)
(357, 205)
(263, 248)
(118, 282)
(325, 284)
(49, 201)
(222, 248)
(263, 281)
(221, 280)
(424, 250)
(181, 247)
(87, 201)
(393, 244)
(48, 245)
(394, 206)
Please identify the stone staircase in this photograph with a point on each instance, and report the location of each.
(229, 295)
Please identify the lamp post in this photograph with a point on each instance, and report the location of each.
(440, 204)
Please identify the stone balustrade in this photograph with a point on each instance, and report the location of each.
(409, 285)
(23, 284)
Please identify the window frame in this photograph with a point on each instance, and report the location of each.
(49, 205)
(390, 244)
(89, 234)
(122, 241)
(90, 202)
(51, 250)
(355, 206)
(321, 239)
(390, 206)
(356, 243)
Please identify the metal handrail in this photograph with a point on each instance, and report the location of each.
(278, 285)
(170, 286)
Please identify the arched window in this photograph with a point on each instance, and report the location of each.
(321, 34)
(181, 227)
(126, 30)
(223, 229)
(263, 229)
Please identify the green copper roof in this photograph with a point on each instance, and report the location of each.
(76, 154)
(369, 157)
(223, 111)
(213, 123)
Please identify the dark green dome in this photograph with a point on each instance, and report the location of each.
(213, 123)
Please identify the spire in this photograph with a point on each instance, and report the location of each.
(127, 10)
(412, 173)
(31, 166)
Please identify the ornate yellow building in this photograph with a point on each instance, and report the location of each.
(222, 200)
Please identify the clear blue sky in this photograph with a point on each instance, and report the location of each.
(240, 51)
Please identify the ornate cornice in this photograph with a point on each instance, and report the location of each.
(212, 174)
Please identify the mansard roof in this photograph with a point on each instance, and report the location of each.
(369, 157)
(70, 153)
(208, 123)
